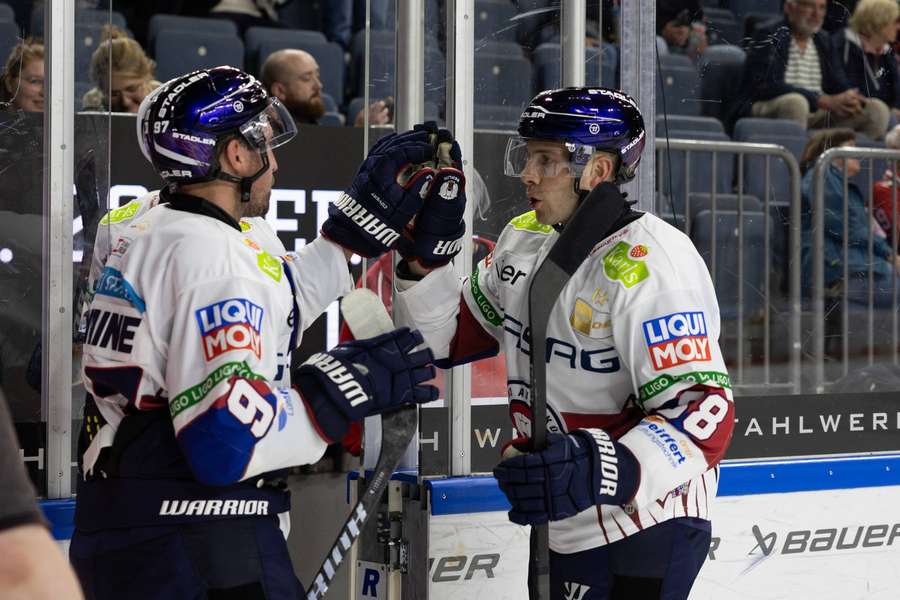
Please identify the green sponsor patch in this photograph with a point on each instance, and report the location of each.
(529, 222)
(664, 382)
(619, 267)
(245, 226)
(484, 305)
(122, 213)
(195, 394)
(269, 265)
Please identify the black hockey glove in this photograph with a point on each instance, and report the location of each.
(364, 377)
(575, 472)
(388, 190)
(439, 227)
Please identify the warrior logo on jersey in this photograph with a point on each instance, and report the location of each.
(676, 339)
(232, 324)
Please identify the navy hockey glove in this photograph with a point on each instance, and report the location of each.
(366, 377)
(439, 226)
(574, 473)
(370, 216)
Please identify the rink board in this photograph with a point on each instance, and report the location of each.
(826, 538)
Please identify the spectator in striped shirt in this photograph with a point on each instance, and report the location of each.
(791, 72)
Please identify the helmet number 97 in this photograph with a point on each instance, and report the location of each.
(160, 126)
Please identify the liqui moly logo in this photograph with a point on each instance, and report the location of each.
(232, 324)
(676, 339)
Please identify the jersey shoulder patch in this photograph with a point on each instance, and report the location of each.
(528, 222)
(122, 213)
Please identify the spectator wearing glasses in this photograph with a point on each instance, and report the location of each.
(793, 73)
(22, 82)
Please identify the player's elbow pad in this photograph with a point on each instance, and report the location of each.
(214, 459)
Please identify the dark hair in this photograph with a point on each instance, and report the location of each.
(821, 141)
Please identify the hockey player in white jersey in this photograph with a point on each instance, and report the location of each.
(185, 352)
(639, 404)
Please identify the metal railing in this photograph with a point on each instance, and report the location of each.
(738, 151)
(818, 291)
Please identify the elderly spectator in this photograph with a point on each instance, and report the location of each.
(22, 82)
(122, 73)
(864, 50)
(680, 24)
(792, 73)
(883, 261)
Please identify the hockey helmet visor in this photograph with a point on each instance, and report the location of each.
(271, 128)
(540, 158)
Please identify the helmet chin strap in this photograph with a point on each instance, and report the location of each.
(245, 183)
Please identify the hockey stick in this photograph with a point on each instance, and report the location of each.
(588, 226)
(366, 316)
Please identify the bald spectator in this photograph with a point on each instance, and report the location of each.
(292, 76)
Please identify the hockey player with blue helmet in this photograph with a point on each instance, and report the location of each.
(639, 403)
(187, 349)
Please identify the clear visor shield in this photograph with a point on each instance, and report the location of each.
(272, 127)
(545, 158)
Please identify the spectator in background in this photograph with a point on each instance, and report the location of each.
(884, 198)
(865, 51)
(122, 74)
(22, 82)
(884, 262)
(292, 76)
(33, 567)
(680, 24)
(792, 72)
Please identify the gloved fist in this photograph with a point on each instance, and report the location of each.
(574, 473)
(370, 216)
(439, 227)
(365, 377)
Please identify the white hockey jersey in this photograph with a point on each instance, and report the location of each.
(193, 314)
(632, 348)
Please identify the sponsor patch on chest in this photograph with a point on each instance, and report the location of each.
(676, 339)
(232, 324)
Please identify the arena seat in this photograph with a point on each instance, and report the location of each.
(179, 52)
(720, 68)
(546, 59)
(164, 22)
(678, 81)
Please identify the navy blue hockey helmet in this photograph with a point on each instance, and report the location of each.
(584, 119)
(181, 124)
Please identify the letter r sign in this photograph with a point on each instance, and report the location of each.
(371, 580)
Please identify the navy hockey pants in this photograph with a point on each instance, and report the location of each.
(230, 559)
(659, 563)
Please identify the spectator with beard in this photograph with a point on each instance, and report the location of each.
(292, 76)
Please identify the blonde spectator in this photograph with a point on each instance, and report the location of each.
(865, 51)
(22, 82)
(121, 72)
